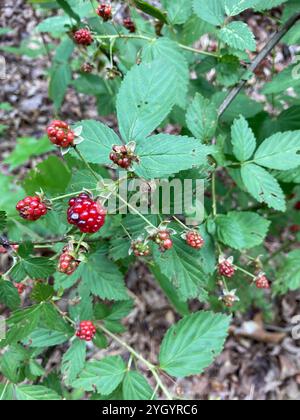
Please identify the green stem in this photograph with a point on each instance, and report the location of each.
(62, 197)
(148, 39)
(181, 223)
(150, 366)
(97, 177)
(134, 210)
(245, 271)
(79, 243)
(4, 390)
(214, 196)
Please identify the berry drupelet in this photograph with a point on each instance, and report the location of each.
(104, 10)
(86, 331)
(194, 240)
(83, 37)
(85, 213)
(60, 134)
(31, 208)
(20, 287)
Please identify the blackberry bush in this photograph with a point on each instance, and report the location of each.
(180, 166)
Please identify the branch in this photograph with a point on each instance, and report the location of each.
(275, 39)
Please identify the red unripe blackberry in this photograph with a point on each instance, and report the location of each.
(104, 11)
(194, 240)
(83, 37)
(31, 208)
(60, 134)
(129, 24)
(262, 282)
(123, 156)
(85, 213)
(297, 206)
(295, 228)
(226, 268)
(167, 244)
(20, 287)
(86, 331)
(67, 263)
(87, 68)
(163, 239)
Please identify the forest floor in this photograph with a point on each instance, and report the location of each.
(260, 362)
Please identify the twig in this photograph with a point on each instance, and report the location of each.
(275, 39)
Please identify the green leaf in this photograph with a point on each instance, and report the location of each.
(282, 81)
(102, 278)
(26, 148)
(11, 363)
(263, 186)
(103, 375)
(146, 97)
(3, 220)
(178, 11)
(242, 230)
(42, 292)
(73, 361)
(151, 10)
(9, 295)
(98, 141)
(211, 11)
(280, 151)
(184, 268)
(52, 176)
(33, 267)
(243, 139)
(22, 323)
(169, 52)
(68, 10)
(136, 387)
(238, 35)
(202, 118)
(289, 274)
(43, 337)
(269, 4)
(163, 155)
(55, 24)
(192, 344)
(61, 76)
(235, 7)
(170, 291)
(35, 393)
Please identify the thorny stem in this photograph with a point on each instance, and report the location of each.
(150, 366)
(181, 223)
(214, 196)
(147, 38)
(275, 39)
(62, 197)
(134, 210)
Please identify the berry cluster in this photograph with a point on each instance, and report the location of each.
(87, 68)
(88, 215)
(67, 263)
(83, 37)
(163, 239)
(86, 331)
(104, 11)
(226, 268)
(194, 239)
(31, 208)
(129, 24)
(262, 282)
(140, 248)
(123, 156)
(59, 133)
(20, 287)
